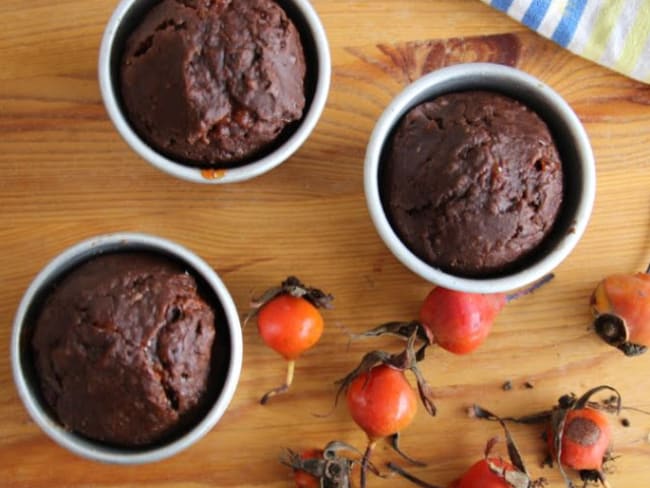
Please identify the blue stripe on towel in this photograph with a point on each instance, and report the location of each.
(567, 26)
(502, 5)
(535, 13)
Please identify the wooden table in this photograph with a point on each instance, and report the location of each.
(67, 175)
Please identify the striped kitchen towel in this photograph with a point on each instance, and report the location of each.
(614, 33)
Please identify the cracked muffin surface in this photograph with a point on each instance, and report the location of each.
(122, 348)
(472, 182)
(213, 82)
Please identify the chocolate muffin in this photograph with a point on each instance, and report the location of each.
(213, 82)
(122, 347)
(472, 182)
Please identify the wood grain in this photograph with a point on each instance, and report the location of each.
(67, 175)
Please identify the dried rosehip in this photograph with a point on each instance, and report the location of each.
(621, 306)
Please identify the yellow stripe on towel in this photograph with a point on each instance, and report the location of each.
(605, 24)
(636, 40)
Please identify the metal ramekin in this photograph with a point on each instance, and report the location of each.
(317, 55)
(23, 369)
(571, 139)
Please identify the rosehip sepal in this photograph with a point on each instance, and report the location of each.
(621, 307)
(330, 467)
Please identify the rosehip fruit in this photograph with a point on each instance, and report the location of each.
(290, 325)
(381, 401)
(460, 322)
(480, 475)
(621, 306)
(585, 439)
(289, 322)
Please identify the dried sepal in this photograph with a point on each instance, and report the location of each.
(334, 448)
(585, 399)
(521, 473)
(411, 359)
(408, 476)
(369, 361)
(558, 420)
(294, 287)
(312, 466)
(614, 331)
(394, 444)
(519, 477)
(403, 330)
(318, 298)
(593, 476)
(513, 452)
(476, 411)
(630, 349)
(425, 391)
(489, 446)
(333, 468)
(403, 361)
(515, 479)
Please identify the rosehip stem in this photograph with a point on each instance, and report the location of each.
(291, 366)
(394, 444)
(406, 475)
(365, 461)
(479, 412)
(526, 291)
(605, 482)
